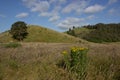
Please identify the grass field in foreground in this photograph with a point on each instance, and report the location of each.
(38, 61)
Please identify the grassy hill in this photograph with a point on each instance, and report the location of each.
(98, 33)
(44, 61)
(79, 32)
(5, 37)
(40, 34)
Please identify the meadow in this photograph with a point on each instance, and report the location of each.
(39, 61)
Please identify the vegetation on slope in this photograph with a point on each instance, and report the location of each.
(105, 33)
(99, 32)
(80, 32)
(40, 34)
(5, 37)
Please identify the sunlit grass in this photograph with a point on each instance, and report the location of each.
(35, 61)
(40, 34)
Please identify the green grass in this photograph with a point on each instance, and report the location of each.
(5, 37)
(11, 45)
(38, 61)
(40, 34)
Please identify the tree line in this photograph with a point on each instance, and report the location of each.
(101, 32)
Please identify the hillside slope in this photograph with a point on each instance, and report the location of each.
(80, 32)
(98, 33)
(40, 34)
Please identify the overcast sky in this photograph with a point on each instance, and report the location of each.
(58, 14)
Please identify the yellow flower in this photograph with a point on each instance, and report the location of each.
(64, 52)
(81, 49)
(74, 49)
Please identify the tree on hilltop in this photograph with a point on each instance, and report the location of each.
(19, 30)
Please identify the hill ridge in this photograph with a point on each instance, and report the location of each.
(38, 33)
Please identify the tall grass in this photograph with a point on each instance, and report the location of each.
(39, 62)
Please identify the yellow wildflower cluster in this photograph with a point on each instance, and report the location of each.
(82, 49)
(75, 49)
(64, 52)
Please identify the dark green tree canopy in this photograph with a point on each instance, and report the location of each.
(99, 32)
(19, 30)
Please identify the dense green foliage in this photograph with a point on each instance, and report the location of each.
(104, 33)
(71, 32)
(99, 32)
(19, 30)
(11, 45)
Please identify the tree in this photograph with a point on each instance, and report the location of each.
(71, 32)
(73, 27)
(19, 30)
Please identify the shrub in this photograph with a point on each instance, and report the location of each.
(76, 61)
(12, 45)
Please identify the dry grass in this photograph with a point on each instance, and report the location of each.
(37, 61)
(40, 34)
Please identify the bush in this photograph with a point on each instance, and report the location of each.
(12, 45)
(76, 61)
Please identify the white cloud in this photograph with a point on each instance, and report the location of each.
(114, 12)
(57, 1)
(73, 21)
(70, 22)
(29, 3)
(76, 6)
(54, 18)
(22, 15)
(112, 1)
(41, 6)
(111, 11)
(93, 9)
(52, 1)
(45, 14)
(90, 17)
(62, 1)
(37, 5)
(54, 14)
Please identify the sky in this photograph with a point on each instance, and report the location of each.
(59, 15)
